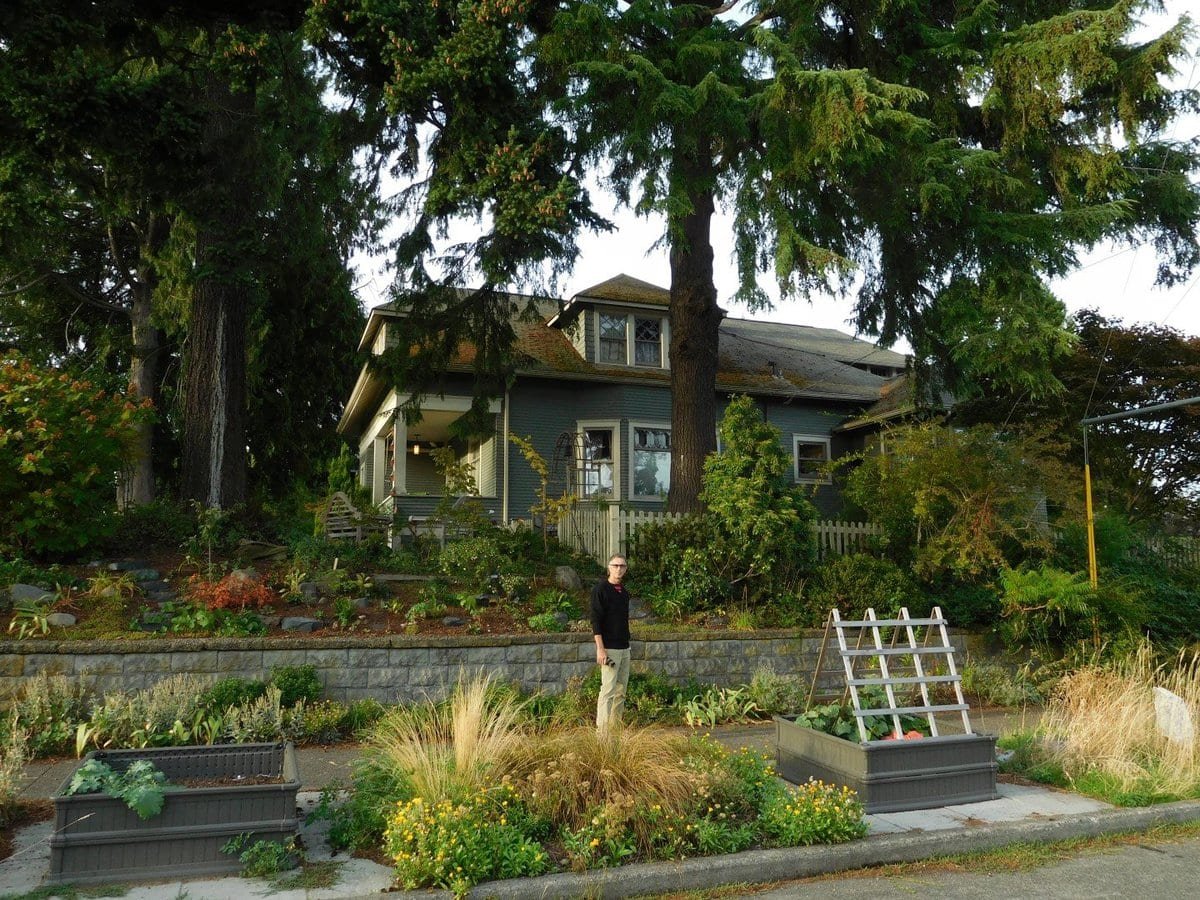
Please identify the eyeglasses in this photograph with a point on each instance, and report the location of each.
(618, 566)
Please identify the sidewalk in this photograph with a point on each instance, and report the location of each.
(1022, 813)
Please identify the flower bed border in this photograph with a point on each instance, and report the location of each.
(891, 776)
(97, 838)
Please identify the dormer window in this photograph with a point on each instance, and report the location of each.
(647, 342)
(612, 339)
(631, 340)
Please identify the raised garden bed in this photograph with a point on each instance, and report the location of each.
(98, 838)
(891, 776)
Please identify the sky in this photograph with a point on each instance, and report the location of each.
(1117, 281)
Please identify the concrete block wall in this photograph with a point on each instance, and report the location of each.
(401, 668)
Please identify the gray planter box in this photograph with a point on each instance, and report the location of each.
(98, 838)
(891, 776)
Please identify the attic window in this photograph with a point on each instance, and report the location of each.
(647, 342)
(612, 339)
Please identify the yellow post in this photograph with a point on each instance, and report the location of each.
(1093, 576)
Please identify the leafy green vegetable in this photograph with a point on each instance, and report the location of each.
(141, 785)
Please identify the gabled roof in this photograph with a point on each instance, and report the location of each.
(626, 289)
(766, 358)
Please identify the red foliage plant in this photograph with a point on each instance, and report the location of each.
(231, 592)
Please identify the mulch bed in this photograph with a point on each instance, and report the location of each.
(496, 616)
(28, 812)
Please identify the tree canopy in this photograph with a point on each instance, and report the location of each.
(178, 204)
(940, 161)
(1145, 467)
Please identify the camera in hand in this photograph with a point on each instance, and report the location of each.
(609, 661)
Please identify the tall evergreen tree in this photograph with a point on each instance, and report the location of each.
(177, 168)
(942, 160)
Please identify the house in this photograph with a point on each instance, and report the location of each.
(595, 399)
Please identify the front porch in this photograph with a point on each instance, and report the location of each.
(397, 462)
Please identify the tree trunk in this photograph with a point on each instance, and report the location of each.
(695, 322)
(135, 486)
(214, 423)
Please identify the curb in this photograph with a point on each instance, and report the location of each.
(789, 864)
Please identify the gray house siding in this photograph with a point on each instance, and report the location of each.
(543, 410)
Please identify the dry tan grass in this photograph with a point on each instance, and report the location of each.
(1102, 718)
(449, 750)
(567, 775)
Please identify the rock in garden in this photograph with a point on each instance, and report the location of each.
(270, 621)
(567, 578)
(309, 590)
(247, 574)
(484, 600)
(453, 621)
(153, 585)
(144, 575)
(562, 619)
(127, 565)
(29, 593)
(300, 623)
(248, 550)
(361, 602)
(60, 620)
(1173, 718)
(161, 596)
(637, 609)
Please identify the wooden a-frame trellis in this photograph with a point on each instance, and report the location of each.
(902, 642)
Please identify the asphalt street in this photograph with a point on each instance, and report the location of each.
(1149, 870)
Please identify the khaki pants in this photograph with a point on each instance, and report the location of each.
(613, 680)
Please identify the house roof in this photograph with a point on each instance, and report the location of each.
(766, 358)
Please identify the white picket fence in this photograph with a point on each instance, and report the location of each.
(600, 530)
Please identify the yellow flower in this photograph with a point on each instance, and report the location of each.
(595, 842)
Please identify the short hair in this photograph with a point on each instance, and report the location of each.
(620, 556)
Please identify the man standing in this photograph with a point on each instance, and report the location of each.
(610, 628)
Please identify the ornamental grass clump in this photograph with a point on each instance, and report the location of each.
(451, 750)
(1101, 728)
(573, 776)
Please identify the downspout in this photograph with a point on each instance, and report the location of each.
(504, 488)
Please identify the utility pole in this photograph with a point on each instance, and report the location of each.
(1093, 576)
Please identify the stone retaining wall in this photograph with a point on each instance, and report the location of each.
(396, 668)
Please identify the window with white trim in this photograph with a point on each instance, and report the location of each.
(612, 339)
(647, 342)
(811, 453)
(651, 463)
(596, 472)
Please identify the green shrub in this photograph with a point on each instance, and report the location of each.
(147, 718)
(162, 523)
(232, 691)
(458, 844)
(64, 440)
(358, 821)
(754, 540)
(1047, 607)
(296, 684)
(854, 582)
(322, 722)
(814, 813)
(48, 708)
(472, 559)
(545, 623)
(14, 753)
(963, 603)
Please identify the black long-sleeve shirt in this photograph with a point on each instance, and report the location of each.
(610, 615)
